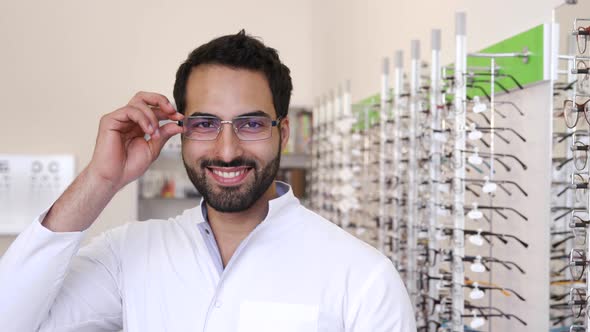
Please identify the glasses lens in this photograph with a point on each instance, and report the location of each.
(579, 235)
(570, 114)
(253, 128)
(581, 187)
(577, 301)
(201, 128)
(586, 109)
(582, 39)
(577, 263)
(432, 257)
(577, 328)
(580, 155)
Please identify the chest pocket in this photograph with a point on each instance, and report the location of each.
(274, 316)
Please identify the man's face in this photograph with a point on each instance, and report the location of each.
(231, 174)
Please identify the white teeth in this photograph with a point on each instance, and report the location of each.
(229, 175)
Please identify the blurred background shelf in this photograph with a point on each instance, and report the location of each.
(295, 160)
(164, 208)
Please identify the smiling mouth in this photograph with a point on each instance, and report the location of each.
(229, 175)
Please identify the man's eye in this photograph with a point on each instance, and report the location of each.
(252, 124)
(203, 124)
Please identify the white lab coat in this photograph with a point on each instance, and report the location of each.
(296, 272)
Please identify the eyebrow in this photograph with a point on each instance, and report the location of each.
(253, 113)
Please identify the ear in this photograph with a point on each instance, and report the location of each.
(285, 132)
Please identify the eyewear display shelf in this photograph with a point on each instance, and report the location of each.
(447, 174)
(569, 249)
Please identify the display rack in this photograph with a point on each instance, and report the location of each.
(454, 155)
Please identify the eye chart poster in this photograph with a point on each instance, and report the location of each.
(29, 184)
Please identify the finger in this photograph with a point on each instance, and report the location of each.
(153, 99)
(159, 113)
(166, 131)
(149, 113)
(128, 116)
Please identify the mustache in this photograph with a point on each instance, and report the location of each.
(238, 162)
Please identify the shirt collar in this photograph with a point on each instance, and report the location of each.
(285, 197)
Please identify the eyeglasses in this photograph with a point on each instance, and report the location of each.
(475, 158)
(582, 69)
(582, 38)
(478, 291)
(489, 186)
(577, 328)
(578, 225)
(479, 263)
(247, 128)
(475, 214)
(482, 309)
(571, 112)
(577, 263)
(580, 158)
(578, 300)
(560, 137)
(579, 184)
(476, 133)
(568, 210)
(477, 237)
(580, 151)
(497, 74)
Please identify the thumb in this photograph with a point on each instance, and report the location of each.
(165, 132)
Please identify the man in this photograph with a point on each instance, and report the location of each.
(248, 258)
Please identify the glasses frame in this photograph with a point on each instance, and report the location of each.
(577, 258)
(274, 123)
(579, 108)
(582, 32)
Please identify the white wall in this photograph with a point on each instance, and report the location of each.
(65, 63)
(352, 36)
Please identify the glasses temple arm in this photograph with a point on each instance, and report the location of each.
(507, 141)
(473, 86)
(563, 163)
(516, 185)
(516, 266)
(508, 192)
(498, 236)
(524, 166)
(515, 293)
(524, 244)
(512, 104)
(496, 209)
(488, 81)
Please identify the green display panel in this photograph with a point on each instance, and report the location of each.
(524, 71)
(513, 71)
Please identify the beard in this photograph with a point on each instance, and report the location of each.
(233, 198)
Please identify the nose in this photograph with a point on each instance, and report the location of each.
(227, 145)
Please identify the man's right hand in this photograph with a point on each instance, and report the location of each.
(121, 155)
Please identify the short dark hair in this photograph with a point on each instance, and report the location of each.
(239, 51)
